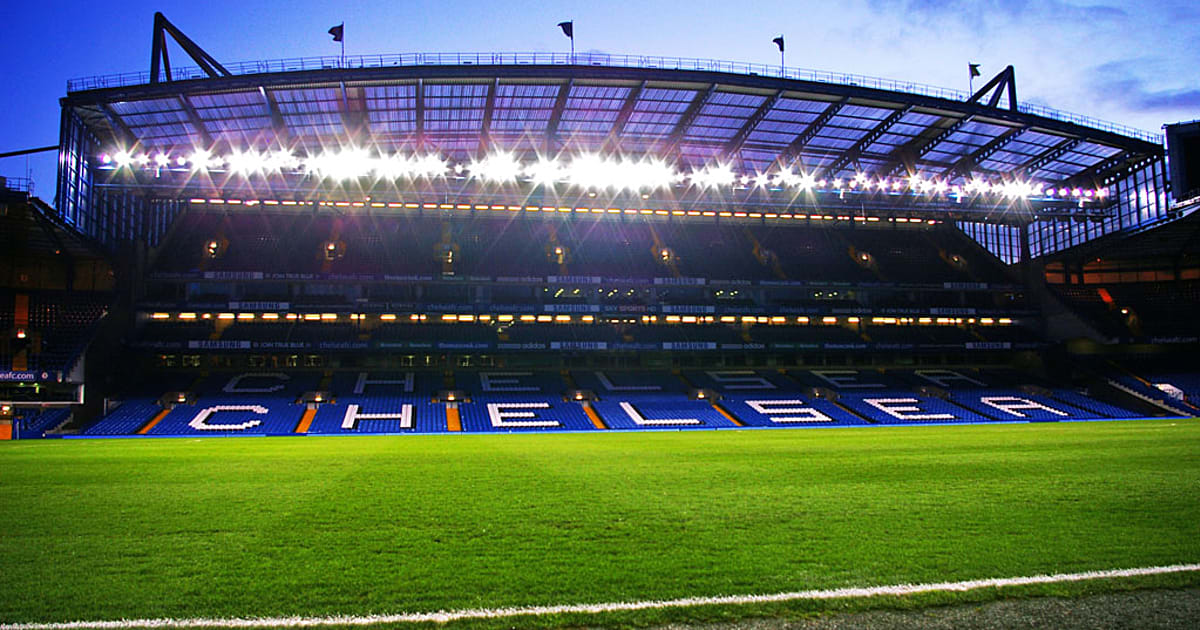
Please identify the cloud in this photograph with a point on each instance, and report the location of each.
(1133, 93)
(983, 14)
(1126, 82)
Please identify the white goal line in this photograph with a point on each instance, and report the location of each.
(497, 613)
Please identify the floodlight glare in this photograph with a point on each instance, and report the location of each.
(545, 172)
(202, 159)
(279, 161)
(712, 176)
(347, 164)
(497, 167)
(245, 162)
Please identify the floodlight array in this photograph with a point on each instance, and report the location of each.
(587, 171)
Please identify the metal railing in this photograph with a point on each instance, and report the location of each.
(20, 184)
(301, 64)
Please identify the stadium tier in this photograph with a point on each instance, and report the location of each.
(279, 403)
(371, 246)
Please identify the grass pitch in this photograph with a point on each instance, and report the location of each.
(225, 527)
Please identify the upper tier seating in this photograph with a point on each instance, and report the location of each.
(60, 325)
(510, 245)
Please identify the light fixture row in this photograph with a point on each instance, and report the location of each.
(588, 319)
(587, 171)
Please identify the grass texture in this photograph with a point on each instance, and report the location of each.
(111, 529)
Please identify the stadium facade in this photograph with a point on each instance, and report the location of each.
(540, 241)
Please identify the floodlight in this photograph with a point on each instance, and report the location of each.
(544, 172)
(498, 167)
(202, 159)
(280, 161)
(350, 163)
(712, 176)
(246, 162)
(429, 166)
(590, 171)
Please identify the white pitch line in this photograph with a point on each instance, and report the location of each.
(495, 613)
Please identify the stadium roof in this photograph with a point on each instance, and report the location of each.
(1175, 242)
(691, 112)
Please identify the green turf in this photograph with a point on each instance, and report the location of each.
(107, 529)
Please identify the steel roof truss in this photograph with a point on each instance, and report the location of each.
(489, 108)
(1048, 157)
(687, 118)
(904, 159)
(196, 121)
(970, 161)
(560, 103)
(735, 143)
(851, 155)
(789, 155)
(623, 115)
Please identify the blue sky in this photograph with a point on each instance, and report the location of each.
(1134, 63)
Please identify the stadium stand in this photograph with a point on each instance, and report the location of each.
(757, 297)
(55, 328)
(31, 424)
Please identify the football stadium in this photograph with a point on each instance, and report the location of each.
(547, 340)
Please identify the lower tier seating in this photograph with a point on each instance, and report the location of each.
(268, 403)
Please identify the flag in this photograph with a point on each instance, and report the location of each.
(779, 42)
(974, 68)
(338, 31)
(568, 28)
